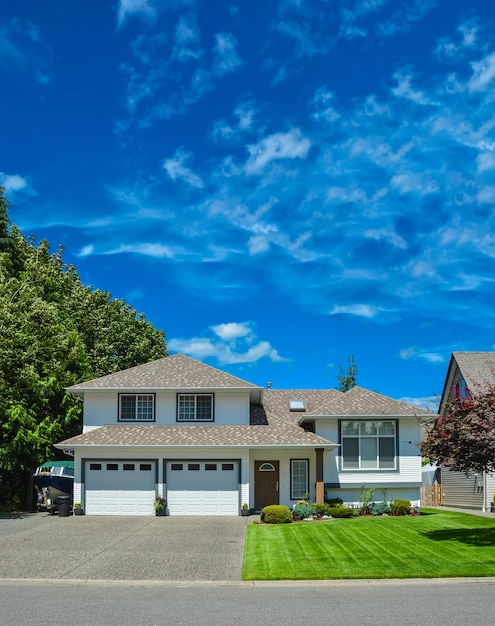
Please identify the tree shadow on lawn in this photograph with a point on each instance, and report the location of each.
(481, 537)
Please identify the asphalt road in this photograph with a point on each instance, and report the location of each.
(344, 603)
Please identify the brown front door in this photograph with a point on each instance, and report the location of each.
(265, 483)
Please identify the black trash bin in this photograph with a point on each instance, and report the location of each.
(63, 503)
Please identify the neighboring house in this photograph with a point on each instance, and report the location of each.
(209, 442)
(467, 371)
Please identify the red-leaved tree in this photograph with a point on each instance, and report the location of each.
(464, 438)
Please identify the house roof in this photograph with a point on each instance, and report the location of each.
(272, 423)
(178, 372)
(477, 369)
(357, 402)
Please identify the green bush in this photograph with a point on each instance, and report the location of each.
(334, 502)
(380, 508)
(400, 507)
(302, 511)
(320, 509)
(341, 511)
(276, 514)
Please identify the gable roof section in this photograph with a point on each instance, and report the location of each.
(357, 402)
(477, 369)
(172, 372)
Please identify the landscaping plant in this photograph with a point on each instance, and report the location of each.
(276, 514)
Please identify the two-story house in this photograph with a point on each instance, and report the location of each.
(208, 442)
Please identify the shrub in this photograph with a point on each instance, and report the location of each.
(400, 507)
(276, 514)
(334, 502)
(302, 511)
(380, 508)
(320, 509)
(341, 511)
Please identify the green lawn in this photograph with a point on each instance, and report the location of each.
(436, 544)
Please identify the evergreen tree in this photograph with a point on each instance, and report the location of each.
(347, 380)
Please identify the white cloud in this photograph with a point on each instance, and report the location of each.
(86, 251)
(290, 145)
(156, 250)
(186, 38)
(232, 330)
(233, 343)
(485, 161)
(430, 403)
(12, 182)
(226, 59)
(176, 169)
(142, 8)
(483, 74)
(418, 353)
(359, 310)
(404, 88)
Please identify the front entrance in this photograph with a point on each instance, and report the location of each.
(266, 483)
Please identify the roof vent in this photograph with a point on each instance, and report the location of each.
(268, 385)
(297, 405)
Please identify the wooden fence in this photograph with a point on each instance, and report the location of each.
(431, 495)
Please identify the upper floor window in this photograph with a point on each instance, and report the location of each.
(369, 445)
(195, 407)
(137, 407)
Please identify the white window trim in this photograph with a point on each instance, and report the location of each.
(136, 397)
(195, 418)
(378, 437)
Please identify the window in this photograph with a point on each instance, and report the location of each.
(176, 467)
(227, 467)
(112, 467)
(193, 467)
(145, 467)
(128, 467)
(193, 407)
(368, 445)
(95, 466)
(299, 478)
(137, 407)
(210, 467)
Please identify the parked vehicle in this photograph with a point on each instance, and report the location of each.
(53, 479)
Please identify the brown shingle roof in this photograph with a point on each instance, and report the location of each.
(171, 372)
(328, 402)
(477, 368)
(276, 433)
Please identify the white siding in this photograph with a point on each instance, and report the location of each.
(408, 473)
(231, 408)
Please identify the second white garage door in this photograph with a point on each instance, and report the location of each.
(203, 488)
(120, 488)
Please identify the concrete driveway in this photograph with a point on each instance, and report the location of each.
(122, 548)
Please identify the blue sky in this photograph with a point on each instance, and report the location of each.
(278, 185)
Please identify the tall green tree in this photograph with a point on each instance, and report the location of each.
(347, 379)
(7, 242)
(54, 332)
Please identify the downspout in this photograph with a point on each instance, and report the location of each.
(485, 491)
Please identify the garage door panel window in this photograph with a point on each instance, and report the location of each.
(195, 408)
(369, 445)
(137, 407)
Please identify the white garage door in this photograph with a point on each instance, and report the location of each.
(203, 488)
(120, 488)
